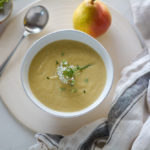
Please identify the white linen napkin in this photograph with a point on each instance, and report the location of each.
(141, 17)
(128, 122)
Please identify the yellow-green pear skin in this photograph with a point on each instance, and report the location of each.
(92, 17)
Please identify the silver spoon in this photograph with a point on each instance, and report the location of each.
(34, 21)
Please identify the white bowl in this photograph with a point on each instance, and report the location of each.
(67, 35)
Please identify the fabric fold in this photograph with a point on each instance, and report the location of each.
(141, 17)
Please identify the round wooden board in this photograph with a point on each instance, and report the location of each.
(120, 41)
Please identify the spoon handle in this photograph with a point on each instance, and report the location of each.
(3, 65)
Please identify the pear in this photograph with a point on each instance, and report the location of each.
(92, 17)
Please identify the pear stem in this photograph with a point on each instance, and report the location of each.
(92, 2)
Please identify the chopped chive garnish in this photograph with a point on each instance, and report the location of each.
(62, 54)
(84, 67)
(67, 73)
(47, 77)
(84, 91)
(86, 80)
(62, 89)
(51, 77)
(57, 62)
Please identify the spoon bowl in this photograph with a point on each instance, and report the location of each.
(36, 19)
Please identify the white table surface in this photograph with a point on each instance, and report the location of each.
(13, 135)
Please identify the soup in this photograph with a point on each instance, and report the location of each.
(67, 76)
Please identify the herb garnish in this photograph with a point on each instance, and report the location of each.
(84, 67)
(52, 77)
(67, 72)
(84, 91)
(48, 78)
(57, 62)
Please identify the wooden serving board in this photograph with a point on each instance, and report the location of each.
(120, 41)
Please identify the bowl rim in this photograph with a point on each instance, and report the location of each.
(60, 114)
